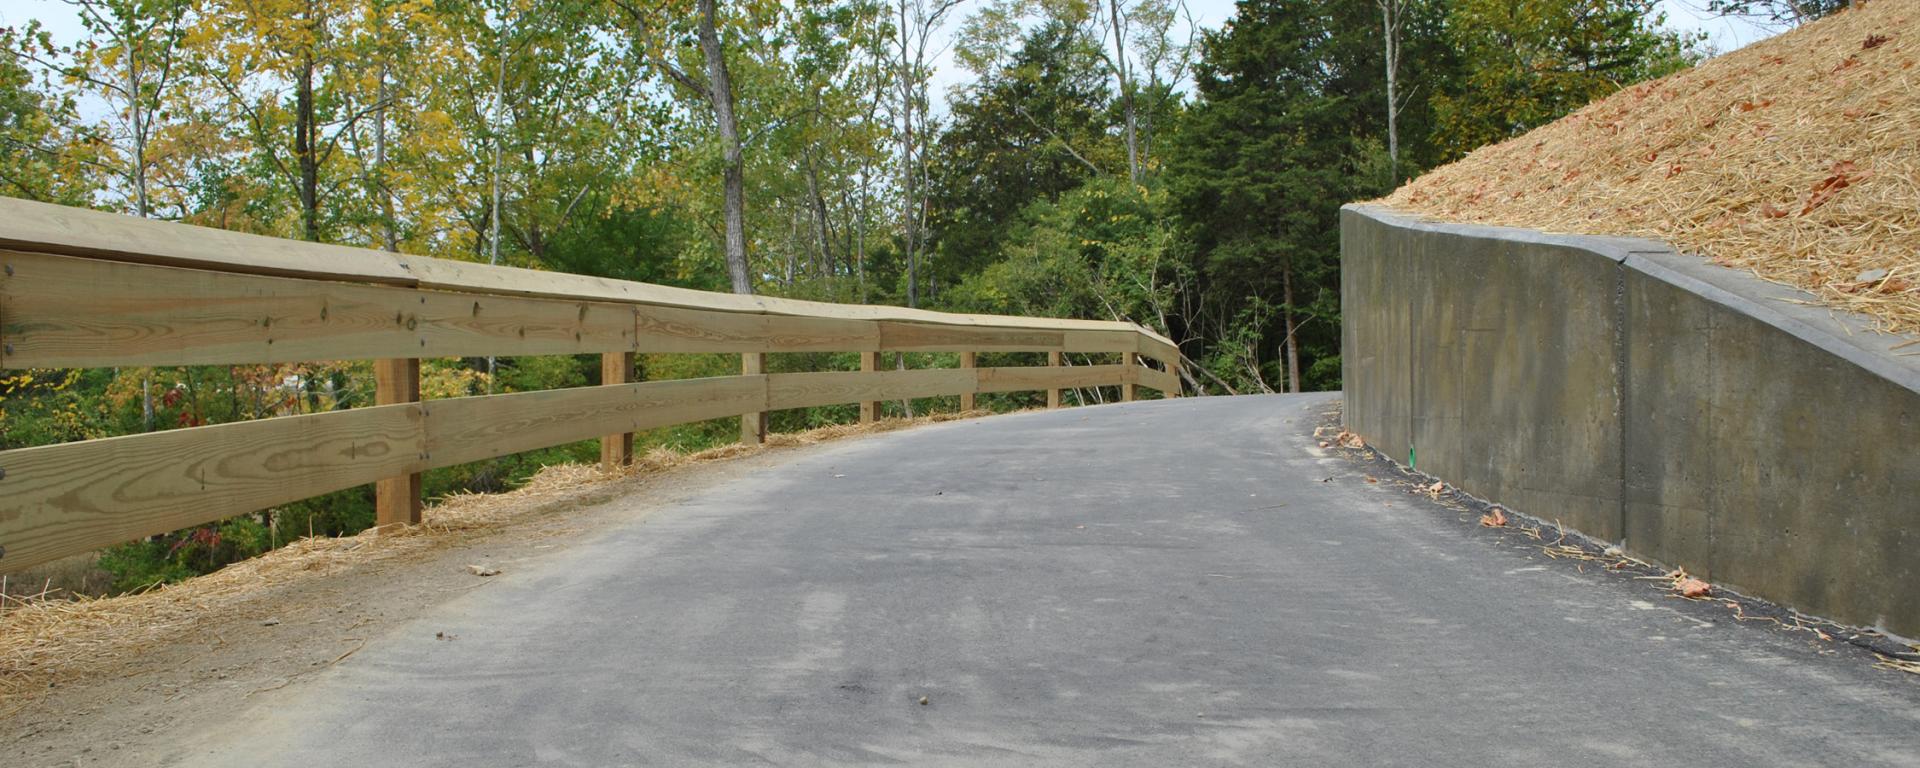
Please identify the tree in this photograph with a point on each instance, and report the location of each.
(281, 66)
(45, 153)
(1126, 89)
(916, 23)
(131, 59)
(1166, 62)
(1529, 62)
(1392, 19)
(1264, 158)
(1788, 12)
(1036, 125)
(715, 89)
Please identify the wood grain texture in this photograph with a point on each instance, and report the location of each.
(1053, 393)
(70, 312)
(1100, 341)
(616, 450)
(469, 277)
(466, 429)
(1166, 382)
(671, 329)
(31, 226)
(804, 390)
(1130, 375)
(60, 500)
(27, 225)
(869, 408)
(753, 424)
(927, 337)
(397, 500)
(1033, 377)
(1157, 347)
(968, 361)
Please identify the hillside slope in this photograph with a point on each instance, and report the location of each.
(1797, 157)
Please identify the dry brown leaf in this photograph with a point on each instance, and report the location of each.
(1844, 174)
(1494, 518)
(1692, 588)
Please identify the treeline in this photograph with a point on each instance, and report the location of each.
(1098, 162)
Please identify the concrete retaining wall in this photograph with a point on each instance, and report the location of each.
(1699, 416)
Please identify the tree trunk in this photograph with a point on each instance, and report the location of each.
(305, 154)
(1293, 342)
(825, 230)
(388, 236)
(720, 90)
(140, 128)
(499, 106)
(1390, 26)
(1126, 92)
(908, 205)
(860, 238)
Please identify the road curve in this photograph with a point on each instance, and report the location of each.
(1152, 584)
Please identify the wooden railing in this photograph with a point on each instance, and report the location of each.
(84, 289)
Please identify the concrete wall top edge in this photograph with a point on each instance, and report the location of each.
(1842, 334)
(1615, 248)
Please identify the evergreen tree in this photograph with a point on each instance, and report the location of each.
(1285, 130)
(1030, 131)
(1530, 62)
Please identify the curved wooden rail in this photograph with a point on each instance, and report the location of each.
(83, 288)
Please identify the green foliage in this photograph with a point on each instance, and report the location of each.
(1099, 251)
(1032, 130)
(42, 406)
(43, 154)
(167, 559)
(1265, 158)
(1528, 63)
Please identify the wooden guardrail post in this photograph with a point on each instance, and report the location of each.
(1132, 363)
(1053, 395)
(396, 500)
(968, 361)
(869, 409)
(616, 450)
(753, 426)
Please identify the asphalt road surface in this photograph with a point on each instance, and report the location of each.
(1188, 582)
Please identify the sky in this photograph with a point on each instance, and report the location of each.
(1723, 34)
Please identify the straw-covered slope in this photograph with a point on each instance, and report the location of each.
(1797, 157)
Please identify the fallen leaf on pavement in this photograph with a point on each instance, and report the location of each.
(1494, 518)
(483, 570)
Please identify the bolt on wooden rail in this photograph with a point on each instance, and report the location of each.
(89, 289)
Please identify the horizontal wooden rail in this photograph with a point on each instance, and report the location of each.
(88, 289)
(67, 312)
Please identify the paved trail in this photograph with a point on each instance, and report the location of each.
(1153, 584)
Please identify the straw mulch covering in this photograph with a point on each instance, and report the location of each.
(54, 639)
(1797, 158)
